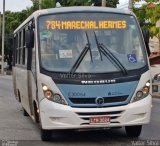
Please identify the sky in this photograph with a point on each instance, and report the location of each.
(123, 1)
(123, 4)
(15, 5)
(18, 5)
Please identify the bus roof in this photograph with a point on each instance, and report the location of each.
(73, 9)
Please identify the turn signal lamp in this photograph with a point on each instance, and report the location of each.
(45, 88)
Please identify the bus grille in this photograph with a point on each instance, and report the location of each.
(92, 100)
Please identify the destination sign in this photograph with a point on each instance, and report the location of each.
(101, 24)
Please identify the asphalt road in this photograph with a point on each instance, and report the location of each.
(17, 130)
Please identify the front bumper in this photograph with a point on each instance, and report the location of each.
(57, 116)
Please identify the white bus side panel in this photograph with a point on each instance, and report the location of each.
(22, 87)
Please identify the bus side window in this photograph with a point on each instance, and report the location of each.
(33, 64)
(23, 48)
(16, 48)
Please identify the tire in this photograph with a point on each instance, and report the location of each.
(133, 131)
(36, 114)
(25, 113)
(19, 97)
(46, 135)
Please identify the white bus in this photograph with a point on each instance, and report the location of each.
(82, 68)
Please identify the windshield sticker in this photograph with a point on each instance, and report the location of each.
(46, 34)
(65, 54)
(132, 58)
(102, 24)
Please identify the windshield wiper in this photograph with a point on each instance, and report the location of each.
(102, 48)
(98, 45)
(81, 56)
(89, 47)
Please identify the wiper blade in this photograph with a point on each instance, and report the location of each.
(102, 48)
(98, 46)
(81, 56)
(89, 47)
(106, 51)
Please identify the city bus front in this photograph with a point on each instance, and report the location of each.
(94, 72)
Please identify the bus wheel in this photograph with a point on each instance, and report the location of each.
(19, 97)
(25, 113)
(133, 131)
(36, 113)
(46, 135)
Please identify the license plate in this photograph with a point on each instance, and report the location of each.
(100, 120)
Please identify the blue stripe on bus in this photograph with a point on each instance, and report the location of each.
(94, 91)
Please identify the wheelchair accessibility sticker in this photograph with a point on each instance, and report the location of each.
(132, 58)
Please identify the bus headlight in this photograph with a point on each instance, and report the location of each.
(142, 93)
(51, 96)
(139, 94)
(58, 99)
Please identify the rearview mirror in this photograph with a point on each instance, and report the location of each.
(29, 38)
(146, 35)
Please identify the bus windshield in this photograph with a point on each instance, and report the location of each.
(90, 43)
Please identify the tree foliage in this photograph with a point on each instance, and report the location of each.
(51, 3)
(112, 3)
(150, 14)
(12, 21)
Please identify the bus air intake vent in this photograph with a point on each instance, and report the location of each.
(92, 100)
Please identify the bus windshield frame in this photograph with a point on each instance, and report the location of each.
(59, 39)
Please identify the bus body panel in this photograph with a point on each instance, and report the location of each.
(23, 87)
(117, 92)
(55, 116)
(32, 93)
